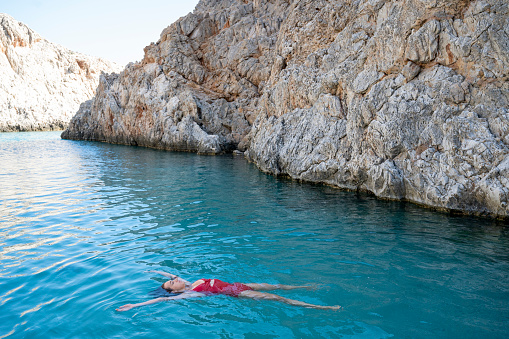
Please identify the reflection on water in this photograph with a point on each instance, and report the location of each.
(81, 222)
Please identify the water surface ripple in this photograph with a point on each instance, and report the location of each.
(80, 222)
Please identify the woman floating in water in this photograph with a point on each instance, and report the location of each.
(204, 287)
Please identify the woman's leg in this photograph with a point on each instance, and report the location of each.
(269, 287)
(268, 296)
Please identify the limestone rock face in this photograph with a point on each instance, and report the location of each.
(42, 84)
(407, 100)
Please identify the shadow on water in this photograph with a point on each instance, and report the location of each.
(83, 221)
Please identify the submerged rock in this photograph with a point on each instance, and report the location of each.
(405, 100)
(42, 84)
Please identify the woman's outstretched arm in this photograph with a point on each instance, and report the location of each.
(184, 295)
(167, 275)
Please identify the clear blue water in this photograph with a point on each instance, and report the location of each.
(80, 222)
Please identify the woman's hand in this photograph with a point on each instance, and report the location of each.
(126, 307)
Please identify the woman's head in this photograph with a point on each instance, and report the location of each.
(174, 285)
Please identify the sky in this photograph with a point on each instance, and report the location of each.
(116, 30)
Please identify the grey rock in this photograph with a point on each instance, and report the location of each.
(410, 71)
(365, 79)
(407, 100)
(422, 45)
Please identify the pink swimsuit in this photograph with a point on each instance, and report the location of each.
(216, 286)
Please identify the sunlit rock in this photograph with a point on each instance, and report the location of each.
(407, 100)
(42, 84)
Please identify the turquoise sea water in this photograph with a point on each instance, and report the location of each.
(80, 222)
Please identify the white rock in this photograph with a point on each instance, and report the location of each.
(42, 84)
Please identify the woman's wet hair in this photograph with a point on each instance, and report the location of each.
(169, 290)
(161, 292)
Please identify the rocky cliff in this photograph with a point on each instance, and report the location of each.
(404, 99)
(42, 84)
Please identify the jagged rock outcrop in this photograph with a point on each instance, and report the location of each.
(42, 84)
(405, 99)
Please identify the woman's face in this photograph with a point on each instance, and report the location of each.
(176, 285)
